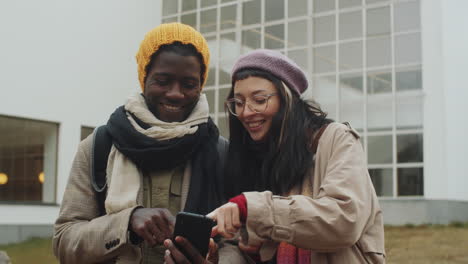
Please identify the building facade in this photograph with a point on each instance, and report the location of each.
(394, 69)
(388, 67)
(65, 66)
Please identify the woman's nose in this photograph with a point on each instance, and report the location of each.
(247, 111)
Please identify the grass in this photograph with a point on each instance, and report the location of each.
(404, 244)
(427, 244)
(32, 251)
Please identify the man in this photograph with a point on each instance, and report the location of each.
(164, 159)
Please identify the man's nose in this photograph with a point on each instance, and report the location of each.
(175, 92)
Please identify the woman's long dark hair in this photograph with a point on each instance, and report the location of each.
(284, 159)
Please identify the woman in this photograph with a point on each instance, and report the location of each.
(306, 193)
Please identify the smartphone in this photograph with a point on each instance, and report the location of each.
(196, 229)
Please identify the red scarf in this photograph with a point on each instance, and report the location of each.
(289, 254)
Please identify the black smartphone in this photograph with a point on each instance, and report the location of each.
(196, 229)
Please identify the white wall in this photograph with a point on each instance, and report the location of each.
(455, 53)
(70, 62)
(445, 78)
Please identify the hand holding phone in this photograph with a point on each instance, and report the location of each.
(196, 229)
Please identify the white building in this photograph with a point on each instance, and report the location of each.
(395, 69)
(65, 66)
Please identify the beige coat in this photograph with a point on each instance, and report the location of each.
(338, 217)
(80, 236)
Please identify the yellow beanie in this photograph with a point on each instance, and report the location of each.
(167, 34)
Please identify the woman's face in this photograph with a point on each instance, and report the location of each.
(249, 91)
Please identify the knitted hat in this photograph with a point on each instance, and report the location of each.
(275, 63)
(167, 34)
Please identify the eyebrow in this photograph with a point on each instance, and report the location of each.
(253, 93)
(165, 74)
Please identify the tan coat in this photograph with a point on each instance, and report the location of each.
(338, 217)
(80, 236)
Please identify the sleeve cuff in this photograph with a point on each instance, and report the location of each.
(241, 202)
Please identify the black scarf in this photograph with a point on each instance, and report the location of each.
(150, 155)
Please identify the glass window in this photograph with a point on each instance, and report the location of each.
(86, 131)
(169, 7)
(223, 125)
(296, 36)
(226, 1)
(229, 52)
(274, 37)
(300, 57)
(408, 78)
(323, 5)
(379, 112)
(409, 111)
(379, 149)
(189, 19)
(225, 73)
(408, 48)
(297, 8)
(228, 16)
(352, 99)
(205, 3)
(379, 52)
(379, 82)
(169, 19)
(407, 16)
(383, 181)
(324, 29)
(378, 21)
(350, 55)
(28, 156)
(211, 76)
(410, 181)
(274, 10)
(409, 148)
(324, 93)
(324, 59)
(188, 5)
(251, 12)
(223, 94)
(210, 96)
(349, 3)
(213, 47)
(374, 1)
(228, 46)
(350, 25)
(208, 20)
(251, 39)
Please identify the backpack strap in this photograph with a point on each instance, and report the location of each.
(102, 143)
(315, 142)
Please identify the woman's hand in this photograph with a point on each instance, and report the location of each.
(228, 220)
(174, 255)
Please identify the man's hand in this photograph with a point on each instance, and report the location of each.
(228, 220)
(154, 225)
(174, 255)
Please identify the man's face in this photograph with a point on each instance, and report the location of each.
(173, 86)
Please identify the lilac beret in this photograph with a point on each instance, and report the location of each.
(275, 63)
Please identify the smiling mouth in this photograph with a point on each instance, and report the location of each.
(172, 108)
(256, 124)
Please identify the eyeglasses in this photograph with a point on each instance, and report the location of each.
(258, 104)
